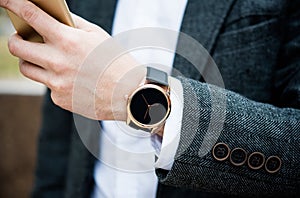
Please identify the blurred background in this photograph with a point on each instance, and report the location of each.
(20, 116)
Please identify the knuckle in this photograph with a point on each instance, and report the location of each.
(58, 66)
(29, 12)
(4, 3)
(55, 98)
(59, 99)
(59, 86)
(48, 81)
(12, 46)
(54, 65)
(23, 68)
(70, 43)
(60, 37)
(54, 84)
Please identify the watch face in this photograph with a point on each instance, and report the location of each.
(149, 106)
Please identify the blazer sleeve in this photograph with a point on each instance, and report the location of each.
(272, 130)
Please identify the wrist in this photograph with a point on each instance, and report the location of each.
(160, 130)
(124, 87)
(118, 81)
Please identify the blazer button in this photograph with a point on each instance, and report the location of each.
(238, 156)
(221, 151)
(273, 164)
(256, 160)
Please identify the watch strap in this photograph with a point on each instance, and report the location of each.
(157, 76)
(131, 124)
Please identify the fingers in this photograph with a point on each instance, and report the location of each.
(36, 53)
(33, 72)
(44, 24)
(4, 3)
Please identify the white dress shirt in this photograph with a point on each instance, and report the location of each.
(127, 156)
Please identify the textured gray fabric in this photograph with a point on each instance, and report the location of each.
(257, 52)
(251, 125)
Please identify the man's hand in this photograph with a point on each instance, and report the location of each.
(56, 63)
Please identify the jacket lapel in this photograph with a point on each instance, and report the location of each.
(203, 20)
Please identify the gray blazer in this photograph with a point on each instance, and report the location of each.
(256, 45)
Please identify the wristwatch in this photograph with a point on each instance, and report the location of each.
(149, 105)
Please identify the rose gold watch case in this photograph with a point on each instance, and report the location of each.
(151, 127)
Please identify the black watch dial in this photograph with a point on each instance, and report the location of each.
(149, 106)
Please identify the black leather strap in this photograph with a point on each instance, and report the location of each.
(157, 76)
(131, 124)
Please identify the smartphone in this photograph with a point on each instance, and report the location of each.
(56, 8)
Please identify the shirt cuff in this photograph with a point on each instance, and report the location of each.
(166, 147)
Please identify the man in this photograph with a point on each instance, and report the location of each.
(255, 45)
